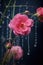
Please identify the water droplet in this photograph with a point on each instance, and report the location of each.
(7, 16)
(35, 45)
(28, 53)
(3, 22)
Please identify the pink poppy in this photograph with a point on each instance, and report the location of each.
(21, 24)
(17, 52)
(40, 13)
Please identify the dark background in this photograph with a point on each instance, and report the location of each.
(36, 53)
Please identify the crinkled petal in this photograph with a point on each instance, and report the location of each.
(29, 22)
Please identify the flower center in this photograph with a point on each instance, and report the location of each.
(22, 25)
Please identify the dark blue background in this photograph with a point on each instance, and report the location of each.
(36, 54)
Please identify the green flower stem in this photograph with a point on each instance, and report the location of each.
(34, 15)
(6, 57)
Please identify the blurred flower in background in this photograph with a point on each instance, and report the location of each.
(17, 52)
(40, 13)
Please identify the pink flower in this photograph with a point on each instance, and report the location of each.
(40, 13)
(17, 52)
(21, 24)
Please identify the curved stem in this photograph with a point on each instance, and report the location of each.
(34, 15)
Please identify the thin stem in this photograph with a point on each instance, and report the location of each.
(6, 56)
(34, 15)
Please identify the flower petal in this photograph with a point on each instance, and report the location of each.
(29, 22)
